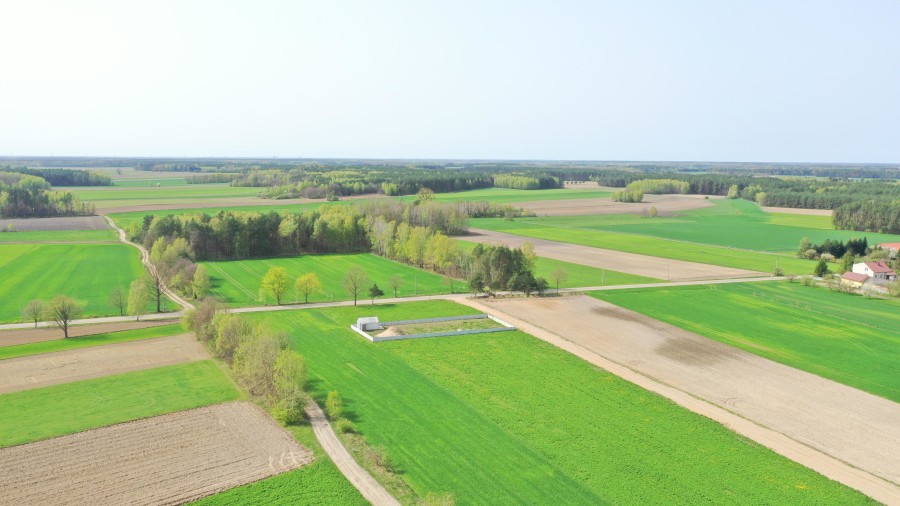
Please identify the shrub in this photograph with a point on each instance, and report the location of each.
(334, 405)
(288, 410)
(344, 426)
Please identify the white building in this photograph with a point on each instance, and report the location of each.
(879, 271)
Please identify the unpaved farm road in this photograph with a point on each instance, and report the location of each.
(843, 433)
(168, 459)
(359, 477)
(35, 371)
(37, 335)
(631, 263)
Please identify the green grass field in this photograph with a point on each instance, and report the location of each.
(236, 282)
(318, 483)
(846, 338)
(86, 272)
(578, 275)
(42, 413)
(21, 350)
(108, 235)
(105, 197)
(508, 196)
(507, 419)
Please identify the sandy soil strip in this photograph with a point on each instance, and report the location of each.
(665, 205)
(632, 263)
(168, 459)
(47, 369)
(355, 474)
(794, 210)
(25, 336)
(845, 434)
(68, 223)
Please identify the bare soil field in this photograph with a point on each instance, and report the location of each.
(66, 223)
(25, 336)
(666, 205)
(37, 371)
(847, 424)
(168, 459)
(793, 210)
(631, 263)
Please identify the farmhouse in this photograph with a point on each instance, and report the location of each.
(879, 271)
(853, 279)
(892, 248)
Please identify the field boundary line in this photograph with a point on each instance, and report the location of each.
(370, 489)
(873, 486)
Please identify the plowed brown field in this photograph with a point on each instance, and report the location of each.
(168, 459)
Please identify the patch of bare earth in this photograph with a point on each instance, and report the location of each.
(632, 263)
(792, 210)
(47, 369)
(847, 424)
(26, 336)
(67, 223)
(168, 459)
(665, 205)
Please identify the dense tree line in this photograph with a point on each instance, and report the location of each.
(628, 196)
(493, 268)
(25, 196)
(835, 248)
(876, 215)
(658, 186)
(65, 177)
(520, 182)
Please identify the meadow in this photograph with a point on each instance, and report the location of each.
(577, 275)
(509, 196)
(86, 272)
(507, 419)
(42, 413)
(847, 338)
(729, 223)
(55, 236)
(237, 282)
(22, 350)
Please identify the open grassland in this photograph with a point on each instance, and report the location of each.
(86, 272)
(577, 275)
(317, 483)
(729, 223)
(507, 419)
(22, 350)
(846, 338)
(237, 282)
(43, 413)
(509, 196)
(108, 235)
(647, 245)
(113, 196)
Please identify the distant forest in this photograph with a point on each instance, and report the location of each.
(25, 196)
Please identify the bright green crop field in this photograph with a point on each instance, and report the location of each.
(42, 413)
(846, 338)
(318, 483)
(509, 196)
(21, 350)
(86, 272)
(105, 197)
(507, 419)
(108, 235)
(578, 275)
(729, 223)
(237, 282)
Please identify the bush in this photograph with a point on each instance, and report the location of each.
(778, 272)
(344, 426)
(254, 364)
(334, 405)
(289, 410)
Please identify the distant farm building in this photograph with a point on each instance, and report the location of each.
(892, 248)
(853, 279)
(879, 271)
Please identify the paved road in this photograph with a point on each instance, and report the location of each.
(362, 480)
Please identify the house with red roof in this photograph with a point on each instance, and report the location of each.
(878, 271)
(853, 279)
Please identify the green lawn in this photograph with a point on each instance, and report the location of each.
(318, 483)
(507, 419)
(846, 338)
(108, 235)
(729, 223)
(236, 282)
(86, 272)
(22, 350)
(48, 412)
(578, 275)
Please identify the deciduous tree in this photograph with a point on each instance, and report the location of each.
(119, 300)
(354, 281)
(61, 310)
(396, 282)
(306, 284)
(137, 298)
(275, 282)
(34, 311)
(558, 275)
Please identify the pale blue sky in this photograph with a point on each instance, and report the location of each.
(636, 80)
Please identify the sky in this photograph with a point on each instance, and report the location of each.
(778, 81)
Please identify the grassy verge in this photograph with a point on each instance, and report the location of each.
(48, 412)
(846, 338)
(21, 350)
(507, 419)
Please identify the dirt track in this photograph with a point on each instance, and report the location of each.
(168, 459)
(665, 205)
(632, 263)
(817, 422)
(24, 336)
(47, 369)
(68, 223)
